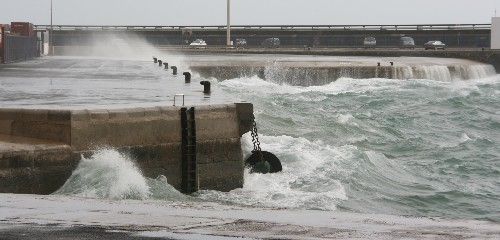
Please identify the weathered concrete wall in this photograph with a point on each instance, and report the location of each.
(34, 166)
(35, 123)
(150, 136)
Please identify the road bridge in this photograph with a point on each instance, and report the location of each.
(454, 35)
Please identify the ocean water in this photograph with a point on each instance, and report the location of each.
(418, 147)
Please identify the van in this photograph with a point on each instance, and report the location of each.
(271, 43)
(407, 42)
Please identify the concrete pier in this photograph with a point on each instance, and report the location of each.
(303, 70)
(40, 148)
(56, 110)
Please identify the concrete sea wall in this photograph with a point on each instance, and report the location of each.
(40, 148)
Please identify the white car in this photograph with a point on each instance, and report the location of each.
(198, 43)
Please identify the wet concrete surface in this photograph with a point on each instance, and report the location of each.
(63, 217)
(82, 83)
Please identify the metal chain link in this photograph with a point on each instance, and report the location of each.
(255, 138)
(256, 142)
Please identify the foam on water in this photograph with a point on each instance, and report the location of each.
(109, 174)
(315, 76)
(421, 147)
(306, 180)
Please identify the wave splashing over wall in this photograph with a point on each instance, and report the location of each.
(108, 174)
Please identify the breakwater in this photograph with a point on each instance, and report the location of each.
(314, 71)
(40, 148)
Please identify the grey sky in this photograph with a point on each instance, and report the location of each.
(266, 12)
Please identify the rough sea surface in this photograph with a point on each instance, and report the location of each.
(411, 147)
(400, 147)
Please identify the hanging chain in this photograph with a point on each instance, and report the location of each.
(255, 138)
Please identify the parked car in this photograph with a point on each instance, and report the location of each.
(434, 45)
(241, 43)
(406, 42)
(271, 43)
(198, 43)
(370, 42)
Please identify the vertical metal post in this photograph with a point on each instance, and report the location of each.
(51, 41)
(228, 43)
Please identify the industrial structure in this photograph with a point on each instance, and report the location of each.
(18, 42)
(495, 33)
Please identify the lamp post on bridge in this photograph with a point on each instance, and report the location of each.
(228, 42)
(51, 43)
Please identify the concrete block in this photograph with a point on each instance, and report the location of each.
(21, 180)
(99, 115)
(221, 176)
(59, 116)
(245, 117)
(152, 112)
(80, 115)
(136, 113)
(42, 130)
(28, 115)
(8, 114)
(216, 122)
(50, 179)
(56, 157)
(117, 114)
(5, 127)
(219, 150)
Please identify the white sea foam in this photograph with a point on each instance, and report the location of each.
(107, 174)
(311, 176)
(111, 175)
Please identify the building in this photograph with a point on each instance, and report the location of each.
(495, 33)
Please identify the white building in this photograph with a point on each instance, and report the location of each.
(495, 33)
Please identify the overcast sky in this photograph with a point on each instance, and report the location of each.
(264, 12)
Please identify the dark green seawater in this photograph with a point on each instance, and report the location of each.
(400, 147)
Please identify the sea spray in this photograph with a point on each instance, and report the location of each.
(109, 174)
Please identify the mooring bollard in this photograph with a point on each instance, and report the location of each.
(187, 77)
(155, 60)
(392, 63)
(166, 65)
(174, 69)
(206, 86)
(378, 64)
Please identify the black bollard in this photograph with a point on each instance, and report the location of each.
(160, 63)
(206, 87)
(166, 65)
(174, 69)
(187, 77)
(392, 63)
(378, 64)
(155, 60)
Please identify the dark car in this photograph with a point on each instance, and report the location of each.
(434, 45)
(241, 43)
(370, 42)
(406, 42)
(271, 43)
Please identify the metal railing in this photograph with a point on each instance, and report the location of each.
(415, 27)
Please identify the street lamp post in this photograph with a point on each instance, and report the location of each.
(228, 43)
(51, 43)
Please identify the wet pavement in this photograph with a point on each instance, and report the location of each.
(77, 83)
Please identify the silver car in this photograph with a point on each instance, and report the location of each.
(434, 45)
(370, 42)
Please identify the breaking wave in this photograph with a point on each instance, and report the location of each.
(108, 174)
